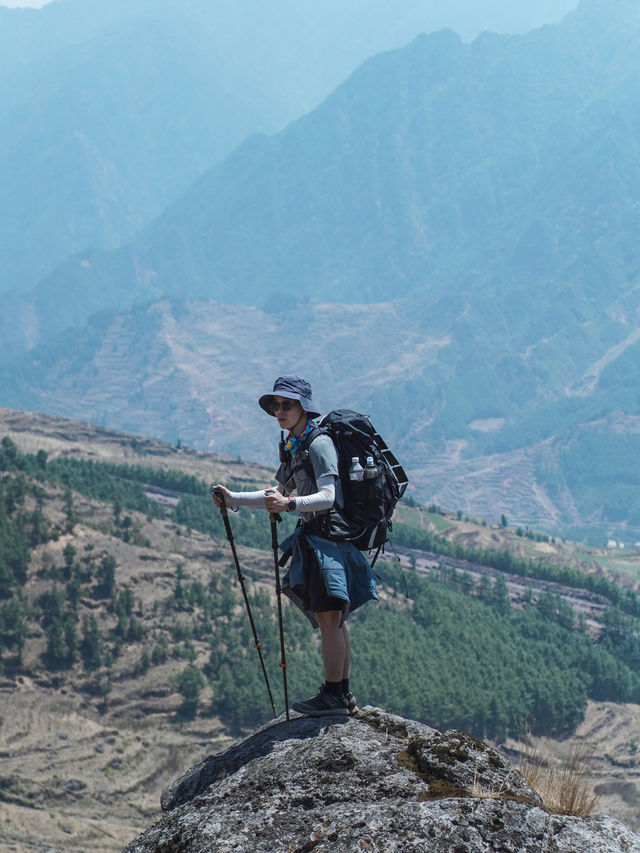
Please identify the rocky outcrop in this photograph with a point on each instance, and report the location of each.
(374, 782)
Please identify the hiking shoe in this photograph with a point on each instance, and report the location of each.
(324, 703)
(352, 705)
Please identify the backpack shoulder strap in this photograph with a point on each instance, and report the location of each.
(324, 427)
(302, 459)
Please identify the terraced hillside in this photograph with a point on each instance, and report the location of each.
(92, 731)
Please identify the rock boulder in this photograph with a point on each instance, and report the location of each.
(373, 782)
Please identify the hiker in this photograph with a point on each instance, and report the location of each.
(326, 579)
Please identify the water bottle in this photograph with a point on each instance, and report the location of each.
(356, 472)
(371, 470)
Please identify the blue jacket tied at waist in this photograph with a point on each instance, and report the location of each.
(344, 569)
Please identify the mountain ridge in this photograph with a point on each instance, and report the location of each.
(160, 91)
(227, 267)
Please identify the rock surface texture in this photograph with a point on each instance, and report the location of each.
(374, 782)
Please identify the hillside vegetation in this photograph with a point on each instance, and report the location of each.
(530, 658)
(121, 617)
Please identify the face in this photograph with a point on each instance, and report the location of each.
(286, 419)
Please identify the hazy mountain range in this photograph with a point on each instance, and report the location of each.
(109, 110)
(449, 240)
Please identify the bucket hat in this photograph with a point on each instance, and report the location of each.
(292, 388)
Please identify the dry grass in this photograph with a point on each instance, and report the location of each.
(564, 786)
(483, 793)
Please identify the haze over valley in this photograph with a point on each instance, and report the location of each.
(447, 241)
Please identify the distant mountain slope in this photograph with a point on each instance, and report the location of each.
(506, 170)
(180, 368)
(97, 139)
(480, 426)
(108, 111)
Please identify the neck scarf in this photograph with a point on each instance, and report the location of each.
(292, 443)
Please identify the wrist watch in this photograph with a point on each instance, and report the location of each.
(291, 506)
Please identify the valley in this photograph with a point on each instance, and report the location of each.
(80, 747)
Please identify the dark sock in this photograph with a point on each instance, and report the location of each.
(345, 685)
(334, 687)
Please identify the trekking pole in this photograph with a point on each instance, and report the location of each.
(256, 644)
(274, 518)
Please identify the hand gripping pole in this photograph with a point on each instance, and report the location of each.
(257, 645)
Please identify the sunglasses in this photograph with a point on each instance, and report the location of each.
(285, 405)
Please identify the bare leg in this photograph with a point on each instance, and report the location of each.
(336, 658)
(336, 649)
(346, 669)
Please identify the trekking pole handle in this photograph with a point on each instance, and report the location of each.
(273, 516)
(217, 493)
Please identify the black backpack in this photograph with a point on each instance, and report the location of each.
(369, 503)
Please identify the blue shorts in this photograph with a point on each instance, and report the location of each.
(315, 594)
(341, 578)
